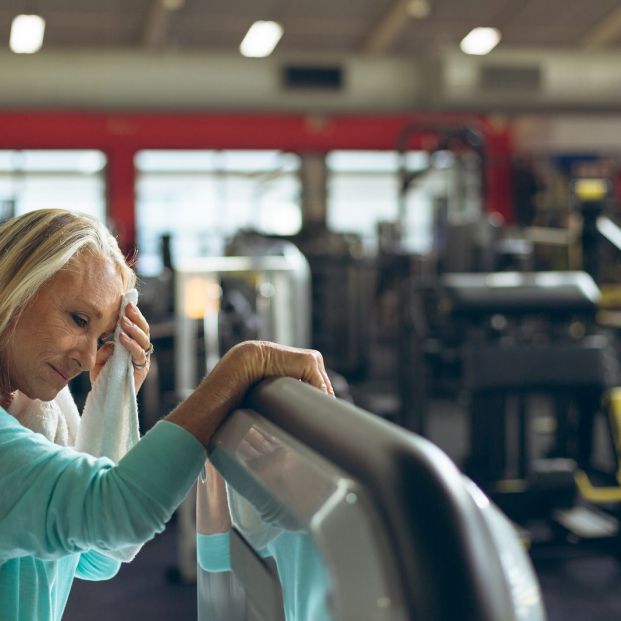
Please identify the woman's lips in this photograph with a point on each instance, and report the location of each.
(65, 377)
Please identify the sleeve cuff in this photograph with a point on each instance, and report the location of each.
(166, 461)
(213, 552)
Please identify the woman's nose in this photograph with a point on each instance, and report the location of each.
(86, 354)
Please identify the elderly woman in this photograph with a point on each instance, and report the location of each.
(62, 512)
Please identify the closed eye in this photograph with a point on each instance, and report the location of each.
(79, 320)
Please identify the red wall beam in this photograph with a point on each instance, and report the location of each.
(121, 135)
(199, 131)
(121, 184)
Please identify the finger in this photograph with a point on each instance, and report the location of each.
(326, 377)
(103, 353)
(135, 349)
(135, 332)
(321, 370)
(136, 316)
(101, 358)
(318, 376)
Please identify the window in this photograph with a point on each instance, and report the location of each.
(40, 179)
(202, 198)
(363, 190)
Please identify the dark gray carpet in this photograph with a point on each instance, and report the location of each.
(140, 591)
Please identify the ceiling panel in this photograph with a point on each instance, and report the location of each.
(553, 22)
(448, 22)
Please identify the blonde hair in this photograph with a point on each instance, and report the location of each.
(37, 245)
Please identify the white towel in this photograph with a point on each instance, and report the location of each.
(57, 420)
(109, 425)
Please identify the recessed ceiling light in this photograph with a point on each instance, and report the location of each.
(418, 9)
(261, 39)
(480, 41)
(27, 34)
(172, 5)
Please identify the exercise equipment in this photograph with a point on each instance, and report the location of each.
(525, 337)
(272, 298)
(390, 527)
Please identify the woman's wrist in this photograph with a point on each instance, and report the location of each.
(220, 392)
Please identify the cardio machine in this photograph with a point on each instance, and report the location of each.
(373, 522)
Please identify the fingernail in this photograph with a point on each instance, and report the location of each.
(127, 321)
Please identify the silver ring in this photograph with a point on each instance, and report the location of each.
(147, 353)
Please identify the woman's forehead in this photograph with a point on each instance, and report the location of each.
(90, 279)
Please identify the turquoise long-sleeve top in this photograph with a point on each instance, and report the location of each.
(61, 510)
(300, 570)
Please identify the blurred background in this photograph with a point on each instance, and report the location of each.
(427, 191)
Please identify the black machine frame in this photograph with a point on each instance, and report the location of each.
(443, 554)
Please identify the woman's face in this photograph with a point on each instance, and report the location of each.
(58, 334)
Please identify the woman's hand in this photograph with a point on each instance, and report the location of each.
(257, 360)
(238, 370)
(134, 337)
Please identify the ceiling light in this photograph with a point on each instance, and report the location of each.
(418, 9)
(27, 34)
(261, 39)
(172, 5)
(480, 41)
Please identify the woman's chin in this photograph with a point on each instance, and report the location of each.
(42, 393)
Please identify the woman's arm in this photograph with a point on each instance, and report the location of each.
(55, 501)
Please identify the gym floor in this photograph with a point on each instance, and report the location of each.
(574, 589)
(577, 586)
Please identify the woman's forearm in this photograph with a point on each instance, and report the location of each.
(202, 412)
(218, 394)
